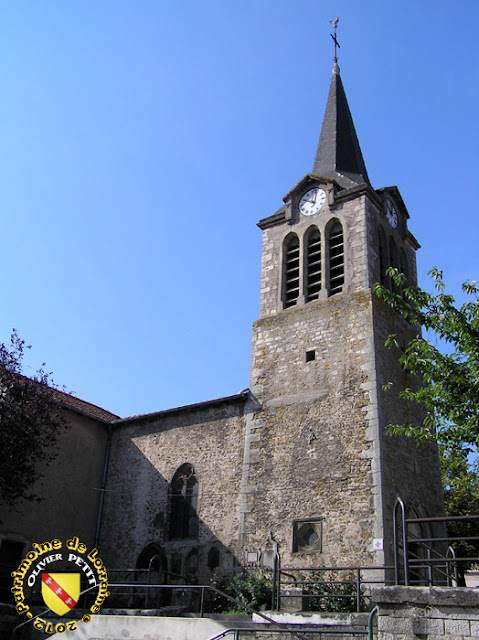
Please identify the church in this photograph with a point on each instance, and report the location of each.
(299, 464)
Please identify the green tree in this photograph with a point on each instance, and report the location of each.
(30, 421)
(450, 389)
(447, 361)
(460, 479)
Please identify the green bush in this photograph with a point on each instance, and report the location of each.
(328, 592)
(252, 587)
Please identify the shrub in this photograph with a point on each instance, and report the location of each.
(328, 592)
(252, 587)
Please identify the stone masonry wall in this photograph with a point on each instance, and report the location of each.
(311, 449)
(427, 613)
(145, 455)
(409, 471)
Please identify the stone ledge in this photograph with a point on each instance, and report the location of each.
(313, 619)
(431, 596)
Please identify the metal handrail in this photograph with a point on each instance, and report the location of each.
(440, 564)
(441, 519)
(356, 580)
(373, 613)
(238, 630)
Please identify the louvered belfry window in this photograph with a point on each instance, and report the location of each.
(291, 272)
(403, 266)
(393, 257)
(382, 257)
(336, 259)
(313, 266)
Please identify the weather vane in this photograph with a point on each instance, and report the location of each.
(335, 40)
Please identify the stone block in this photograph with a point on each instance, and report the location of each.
(394, 625)
(457, 628)
(427, 626)
(474, 624)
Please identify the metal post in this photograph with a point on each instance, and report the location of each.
(429, 568)
(450, 551)
(358, 589)
(404, 536)
(400, 504)
(276, 582)
(370, 623)
(278, 586)
(202, 603)
(396, 545)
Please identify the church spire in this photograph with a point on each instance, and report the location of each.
(339, 155)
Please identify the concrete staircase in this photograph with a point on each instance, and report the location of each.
(151, 625)
(144, 626)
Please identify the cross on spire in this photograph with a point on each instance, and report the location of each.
(335, 39)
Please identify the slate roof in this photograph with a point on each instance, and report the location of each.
(69, 401)
(242, 396)
(83, 407)
(338, 155)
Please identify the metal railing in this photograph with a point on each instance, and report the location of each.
(353, 589)
(427, 560)
(240, 631)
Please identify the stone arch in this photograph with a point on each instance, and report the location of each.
(291, 271)
(335, 256)
(152, 568)
(313, 268)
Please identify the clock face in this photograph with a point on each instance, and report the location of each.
(391, 214)
(312, 201)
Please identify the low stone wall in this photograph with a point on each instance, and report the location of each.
(427, 613)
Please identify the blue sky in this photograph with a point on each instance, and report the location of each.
(142, 140)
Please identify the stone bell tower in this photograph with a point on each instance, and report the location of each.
(320, 472)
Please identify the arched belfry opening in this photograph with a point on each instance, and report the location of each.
(313, 265)
(336, 257)
(291, 271)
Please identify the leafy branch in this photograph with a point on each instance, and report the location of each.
(450, 389)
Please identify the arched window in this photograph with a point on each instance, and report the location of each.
(213, 558)
(383, 262)
(291, 271)
(336, 259)
(313, 265)
(184, 502)
(394, 262)
(404, 267)
(152, 558)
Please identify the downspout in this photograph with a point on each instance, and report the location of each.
(103, 487)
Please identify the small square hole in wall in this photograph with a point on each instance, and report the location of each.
(310, 355)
